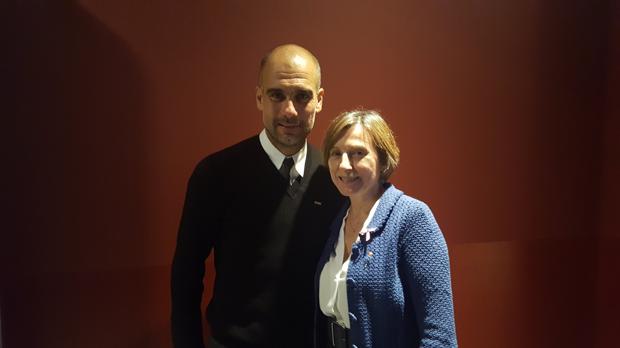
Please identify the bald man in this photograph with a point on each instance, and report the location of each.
(263, 206)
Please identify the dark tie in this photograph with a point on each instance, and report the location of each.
(285, 171)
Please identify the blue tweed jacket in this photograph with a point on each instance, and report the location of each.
(398, 282)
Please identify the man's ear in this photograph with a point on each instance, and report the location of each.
(259, 98)
(319, 99)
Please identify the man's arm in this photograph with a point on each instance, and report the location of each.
(194, 243)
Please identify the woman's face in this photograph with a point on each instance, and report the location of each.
(354, 165)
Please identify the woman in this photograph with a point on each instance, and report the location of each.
(384, 276)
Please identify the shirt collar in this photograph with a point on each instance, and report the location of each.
(278, 157)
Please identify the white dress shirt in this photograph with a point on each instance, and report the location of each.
(333, 279)
(278, 157)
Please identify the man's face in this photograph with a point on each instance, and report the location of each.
(289, 99)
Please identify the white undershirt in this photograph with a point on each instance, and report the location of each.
(333, 279)
(277, 157)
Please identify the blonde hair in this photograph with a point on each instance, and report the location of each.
(375, 126)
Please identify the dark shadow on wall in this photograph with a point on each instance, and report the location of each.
(573, 79)
(75, 164)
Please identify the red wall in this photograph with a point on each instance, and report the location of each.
(506, 113)
(608, 271)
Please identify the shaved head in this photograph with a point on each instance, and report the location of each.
(290, 55)
(289, 95)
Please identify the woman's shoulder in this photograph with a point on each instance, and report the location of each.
(412, 208)
(411, 203)
(415, 219)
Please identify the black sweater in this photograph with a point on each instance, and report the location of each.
(266, 246)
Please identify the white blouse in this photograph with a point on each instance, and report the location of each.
(333, 279)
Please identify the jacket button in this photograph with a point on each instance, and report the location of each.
(350, 281)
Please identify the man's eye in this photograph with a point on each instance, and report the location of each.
(303, 98)
(276, 96)
(358, 154)
(335, 154)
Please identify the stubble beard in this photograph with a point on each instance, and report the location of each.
(288, 143)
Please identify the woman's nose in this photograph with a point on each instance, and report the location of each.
(344, 162)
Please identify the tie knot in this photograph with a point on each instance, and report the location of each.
(285, 169)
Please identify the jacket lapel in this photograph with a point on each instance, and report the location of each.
(385, 207)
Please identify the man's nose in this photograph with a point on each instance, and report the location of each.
(289, 108)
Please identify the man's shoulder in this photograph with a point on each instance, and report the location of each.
(230, 159)
(244, 148)
(314, 153)
(251, 144)
(314, 157)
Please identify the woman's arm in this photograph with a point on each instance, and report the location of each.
(426, 268)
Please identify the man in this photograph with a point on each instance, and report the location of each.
(264, 206)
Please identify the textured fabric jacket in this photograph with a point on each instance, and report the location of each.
(398, 282)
